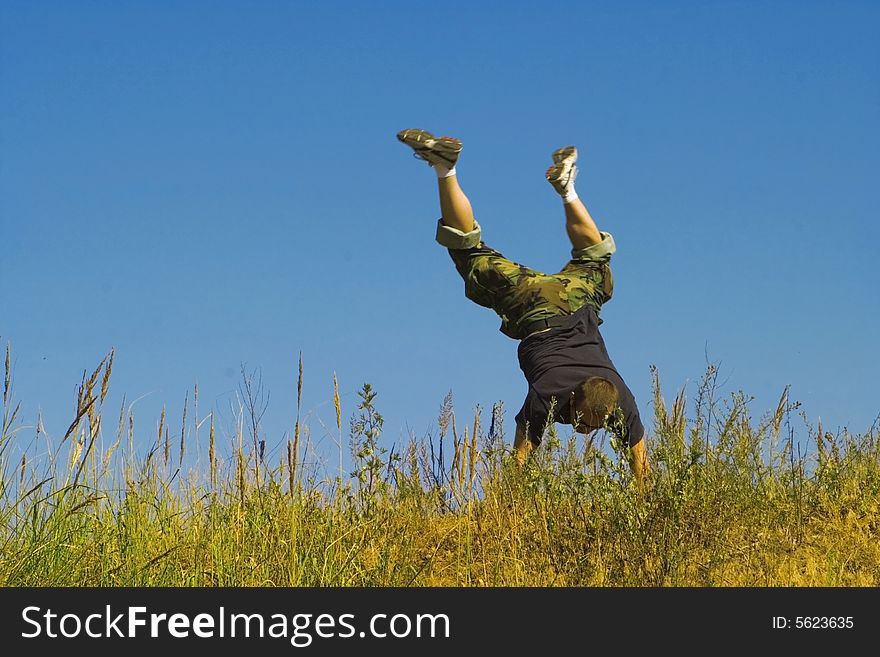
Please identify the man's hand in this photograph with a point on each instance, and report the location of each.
(522, 445)
(640, 467)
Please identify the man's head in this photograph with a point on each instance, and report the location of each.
(591, 402)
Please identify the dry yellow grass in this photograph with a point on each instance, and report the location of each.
(731, 505)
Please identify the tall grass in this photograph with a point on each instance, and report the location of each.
(734, 502)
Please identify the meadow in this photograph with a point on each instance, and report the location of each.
(734, 501)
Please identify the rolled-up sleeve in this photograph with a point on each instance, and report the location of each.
(600, 251)
(452, 238)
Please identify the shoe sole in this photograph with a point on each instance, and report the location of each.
(426, 145)
(562, 154)
(564, 160)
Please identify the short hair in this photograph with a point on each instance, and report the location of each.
(595, 398)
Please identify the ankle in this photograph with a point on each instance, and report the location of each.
(443, 172)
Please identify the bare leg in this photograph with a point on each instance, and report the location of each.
(581, 229)
(455, 207)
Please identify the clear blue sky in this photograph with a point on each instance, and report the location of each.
(200, 185)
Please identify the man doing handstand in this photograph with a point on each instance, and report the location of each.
(555, 317)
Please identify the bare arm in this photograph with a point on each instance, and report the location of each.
(522, 445)
(639, 463)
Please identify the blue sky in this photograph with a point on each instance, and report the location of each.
(207, 185)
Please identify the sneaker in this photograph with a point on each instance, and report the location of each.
(563, 172)
(433, 150)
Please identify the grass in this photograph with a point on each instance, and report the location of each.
(734, 502)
